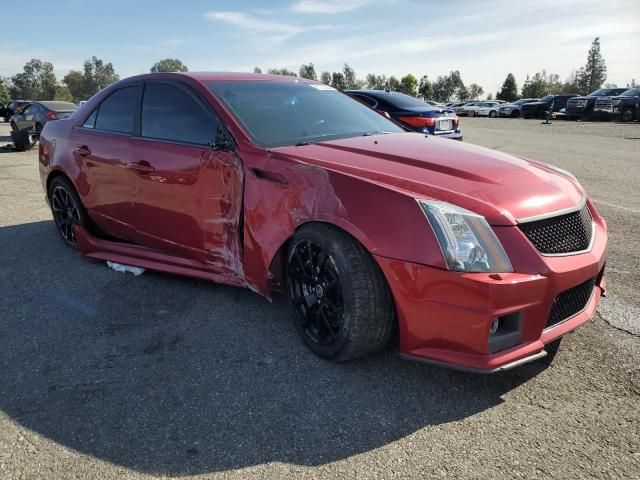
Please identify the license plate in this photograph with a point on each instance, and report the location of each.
(444, 124)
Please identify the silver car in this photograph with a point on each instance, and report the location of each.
(513, 109)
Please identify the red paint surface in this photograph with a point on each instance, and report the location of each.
(224, 216)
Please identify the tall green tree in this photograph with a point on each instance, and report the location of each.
(63, 93)
(463, 93)
(425, 89)
(475, 91)
(409, 85)
(338, 81)
(542, 84)
(349, 75)
(393, 84)
(446, 86)
(95, 76)
(509, 90)
(308, 71)
(325, 77)
(594, 73)
(376, 82)
(257, 70)
(282, 71)
(169, 65)
(4, 92)
(36, 82)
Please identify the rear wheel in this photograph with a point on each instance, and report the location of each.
(342, 304)
(67, 209)
(493, 114)
(627, 115)
(471, 113)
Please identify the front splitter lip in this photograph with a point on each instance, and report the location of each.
(501, 368)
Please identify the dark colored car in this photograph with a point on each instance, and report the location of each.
(35, 115)
(539, 109)
(412, 113)
(477, 259)
(582, 107)
(626, 106)
(13, 107)
(513, 109)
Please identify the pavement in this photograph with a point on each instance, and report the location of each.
(104, 375)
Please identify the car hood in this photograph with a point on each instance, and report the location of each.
(499, 186)
(535, 104)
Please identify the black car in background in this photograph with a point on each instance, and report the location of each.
(540, 108)
(411, 113)
(35, 115)
(12, 108)
(513, 109)
(625, 106)
(582, 107)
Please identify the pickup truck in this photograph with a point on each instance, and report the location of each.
(625, 106)
(583, 107)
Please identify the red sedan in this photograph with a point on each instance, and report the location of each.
(481, 260)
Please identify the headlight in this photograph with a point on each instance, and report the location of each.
(467, 241)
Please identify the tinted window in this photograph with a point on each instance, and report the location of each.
(401, 100)
(90, 122)
(632, 92)
(170, 113)
(116, 113)
(292, 112)
(366, 100)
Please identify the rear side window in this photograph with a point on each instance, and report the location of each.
(366, 100)
(90, 122)
(117, 112)
(171, 113)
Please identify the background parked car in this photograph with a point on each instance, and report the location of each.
(13, 107)
(483, 109)
(582, 107)
(36, 114)
(411, 113)
(626, 106)
(513, 109)
(539, 109)
(461, 110)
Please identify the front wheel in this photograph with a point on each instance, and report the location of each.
(471, 113)
(627, 115)
(67, 209)
(493, 114)
(342, 304)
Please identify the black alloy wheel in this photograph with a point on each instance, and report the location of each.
(343, 307)
(67, 209)
(627, 115)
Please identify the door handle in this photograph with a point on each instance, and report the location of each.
(141, 167)
(82, 151)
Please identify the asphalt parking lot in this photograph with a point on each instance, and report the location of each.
(105, 375)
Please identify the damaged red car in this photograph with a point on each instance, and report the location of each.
(477, 259)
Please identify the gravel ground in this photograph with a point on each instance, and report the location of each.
(108, 376)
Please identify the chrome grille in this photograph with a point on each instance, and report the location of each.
(567, 233)
(570, 302)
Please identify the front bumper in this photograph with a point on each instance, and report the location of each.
(445, 316)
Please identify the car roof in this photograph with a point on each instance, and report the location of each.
(222, 76)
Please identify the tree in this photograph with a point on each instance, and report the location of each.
(325, 77)
(350, 77)
(282, 71)
(338, 81)
(633, 84)
(490, 96)
(425, 89)
(509, 90)
(63, 93)
(542, 84)
(393, 84)
(409, 85)
(376, 82)
(475, 91)
(169, 65)
(257, 70)
(570, 85)
(4, 92)
(594, 73)
(96, 76)
(308, 71)
(36, 82)
(446, 86)
(463, 93)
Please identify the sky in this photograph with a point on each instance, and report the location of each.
(484, 40)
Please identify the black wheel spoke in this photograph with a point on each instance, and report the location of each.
(327, 323)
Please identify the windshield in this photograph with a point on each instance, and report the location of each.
(282, 113)
(524, 100)
(548, 98)
(632, 92)
(602, 92)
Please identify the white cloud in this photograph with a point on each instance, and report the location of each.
(327, 6)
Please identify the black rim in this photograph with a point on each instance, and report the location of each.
(316, 292)
(65, 213)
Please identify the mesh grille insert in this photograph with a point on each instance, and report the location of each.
(567, 233)
(570, 302)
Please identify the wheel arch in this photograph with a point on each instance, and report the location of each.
(55, 174)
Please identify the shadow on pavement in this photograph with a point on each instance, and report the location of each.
(169, 375)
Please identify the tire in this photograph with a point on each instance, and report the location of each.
(493, 114)
(515, 114)
(471, 113)
(67, 209)
(343, 308)
(627, 115)
(552, 350)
